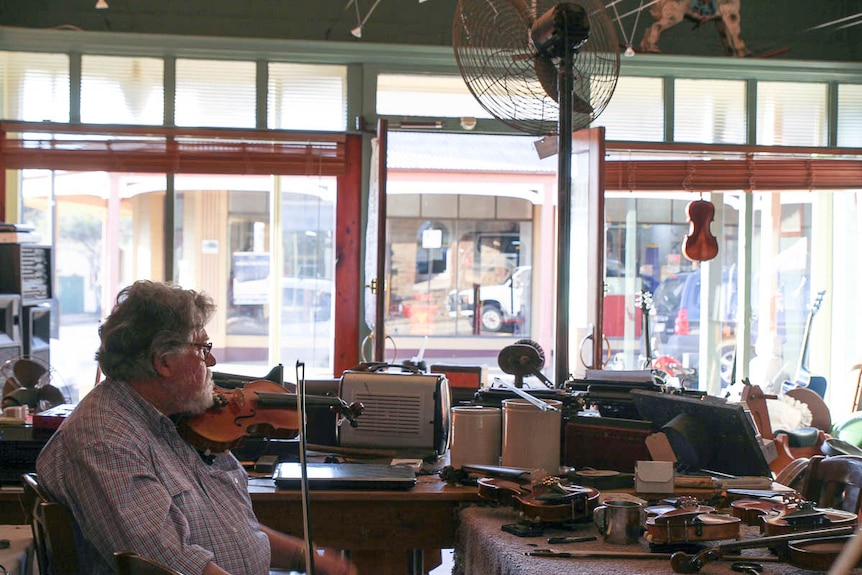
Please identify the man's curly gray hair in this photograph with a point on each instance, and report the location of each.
(150, 320)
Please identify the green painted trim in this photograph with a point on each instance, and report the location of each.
(438, 59)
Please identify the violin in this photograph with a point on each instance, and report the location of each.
(805, 518)
(260, 406)
(700, 245)
(551, 501)
(816, 554)
(682, 562)
(689, 524)
(753, 512)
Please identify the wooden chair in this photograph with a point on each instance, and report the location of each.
(130, 563)
(755, 399)
(53, 531)
(834, 482)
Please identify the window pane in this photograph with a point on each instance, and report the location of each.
(783, 289)
(451, 235)
(635, 112)
(35, 86)
(306, 97)
(644, 234)
(109, 233)
(709, 111)
(118, 90)
(216, 94)
(423, 95)
(850, 115)
(231, 259)
(791, 114)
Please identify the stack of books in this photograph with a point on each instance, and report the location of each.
(18, 234)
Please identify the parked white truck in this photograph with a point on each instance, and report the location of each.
(502, 306)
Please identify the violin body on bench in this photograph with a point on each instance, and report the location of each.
(551, 502)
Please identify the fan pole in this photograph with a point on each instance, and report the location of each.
(564, 208)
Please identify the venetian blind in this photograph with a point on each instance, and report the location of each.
(35, 86)
(307, 97)
(118, 90)
(215, 94)
(850, 115)
(791, 114)
(424, 95)
(635, 112)
(709, 111)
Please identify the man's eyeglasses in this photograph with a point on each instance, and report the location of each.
(206, 348)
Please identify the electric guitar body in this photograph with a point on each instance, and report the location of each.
(803, 377)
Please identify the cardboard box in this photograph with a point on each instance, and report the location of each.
(654, 477)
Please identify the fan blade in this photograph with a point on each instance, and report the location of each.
(581, 106)
(523, 11)
(546, 72)
(548, 77)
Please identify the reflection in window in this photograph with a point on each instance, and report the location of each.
(117, 90)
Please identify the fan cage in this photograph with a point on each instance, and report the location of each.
(497, 59)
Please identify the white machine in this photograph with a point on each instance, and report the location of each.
(402, 410)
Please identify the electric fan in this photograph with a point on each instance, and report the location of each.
(524, 357)
(543, 68)
(515, 57)
(29, 381)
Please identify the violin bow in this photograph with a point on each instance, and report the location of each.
(303, 465)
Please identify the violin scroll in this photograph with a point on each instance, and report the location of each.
(700, 245)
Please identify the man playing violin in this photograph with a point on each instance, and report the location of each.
(128, 478)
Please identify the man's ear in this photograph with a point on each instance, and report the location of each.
(164, 365)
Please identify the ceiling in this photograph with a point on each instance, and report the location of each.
(796, 29)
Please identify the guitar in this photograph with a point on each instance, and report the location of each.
(644, 301)
(803, 376)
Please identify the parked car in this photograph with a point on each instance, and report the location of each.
(502, 306)
(675, 320)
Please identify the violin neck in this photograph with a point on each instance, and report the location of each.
(275, 399)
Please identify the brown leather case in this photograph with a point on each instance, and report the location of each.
(605, 443)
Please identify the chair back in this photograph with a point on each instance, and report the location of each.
(130, 563)
(53, 531)
(834, 482)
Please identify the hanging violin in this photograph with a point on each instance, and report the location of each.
(258, 406)
(700, 245)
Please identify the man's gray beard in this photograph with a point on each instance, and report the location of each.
(204, 400)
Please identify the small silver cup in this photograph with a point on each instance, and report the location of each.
(619, 521)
